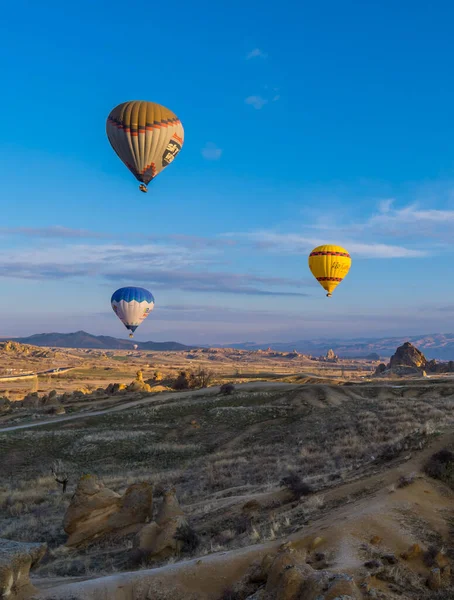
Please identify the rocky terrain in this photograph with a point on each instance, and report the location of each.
(189, 493)
(92, 368)
(195, 477)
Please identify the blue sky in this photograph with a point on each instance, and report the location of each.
(321, 122)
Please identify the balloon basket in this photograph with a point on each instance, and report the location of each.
(143, 188)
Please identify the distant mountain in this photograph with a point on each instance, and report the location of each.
(82, 339)
(436, 345)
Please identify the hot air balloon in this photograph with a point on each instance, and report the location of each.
(329, 265)
(132, 305)
(146, 136)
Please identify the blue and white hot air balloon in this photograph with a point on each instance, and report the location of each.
(132, 305)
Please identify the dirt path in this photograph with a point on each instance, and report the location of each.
(152, 399)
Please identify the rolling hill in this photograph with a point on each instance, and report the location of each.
(82, 339)
(438, 345)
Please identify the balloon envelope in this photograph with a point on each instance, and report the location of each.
(329, 265)
(146, 136)
(132, 305)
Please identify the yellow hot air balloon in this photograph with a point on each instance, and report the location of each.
(146, 136)
(329, 265)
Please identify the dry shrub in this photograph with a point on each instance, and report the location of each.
(296, 485)
(227, 389)
(201, 378)
(183, 381)
(441, 466)
(429, 556)
(189, 538)
(242, 524)
(406, 480)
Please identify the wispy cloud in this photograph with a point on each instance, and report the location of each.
(211, 151)
(169, 267)
(410, 214)
(58, 232)
(256, 101)
(210, 282)
(256, 53)
(409, 221)
(55, 231)
(293, 243)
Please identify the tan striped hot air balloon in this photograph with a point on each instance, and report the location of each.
(146, 136)
(329, 265)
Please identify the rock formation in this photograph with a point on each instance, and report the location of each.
(330, 357)
(409, 356)
(157, 540)
(407, 360)
(288, 576)
(97, 511)
(114, 388)
(16, 560)
(139, 385)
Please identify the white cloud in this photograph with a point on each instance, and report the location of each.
(293, 243)
(411, 214)
(256, 101)
(256, 53)
(428, 228)
(211, 151)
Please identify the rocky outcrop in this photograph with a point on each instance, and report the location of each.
(114, 388)
(31, 400)
(330, 356)
(96, 511)
(409, 356)
(288, 576)
(139, 385)
(408, 360)
(158, 540)
(16, 560)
